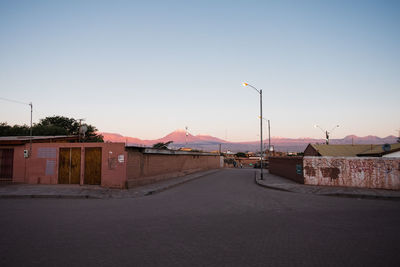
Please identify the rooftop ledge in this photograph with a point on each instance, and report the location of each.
(170, 152)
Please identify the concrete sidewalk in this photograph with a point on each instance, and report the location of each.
(92, 191)
(279, 183)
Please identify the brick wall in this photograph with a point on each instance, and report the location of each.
(288, 167)
(353, 171)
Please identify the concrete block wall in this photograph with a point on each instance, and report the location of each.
(363, 172)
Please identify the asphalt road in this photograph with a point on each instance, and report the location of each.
(223, 219)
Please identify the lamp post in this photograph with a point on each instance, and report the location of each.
(261, 133)
(326, 132)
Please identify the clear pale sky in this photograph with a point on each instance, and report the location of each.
(146, 68)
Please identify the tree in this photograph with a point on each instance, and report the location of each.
(54, 125)
(240, 155)
(59, 125)
(16, 130)
(162, 145)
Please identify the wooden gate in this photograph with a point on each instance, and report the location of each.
(93, 165)
(6, 164)
(69, 167)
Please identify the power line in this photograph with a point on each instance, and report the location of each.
(30, 131)
(15, 101)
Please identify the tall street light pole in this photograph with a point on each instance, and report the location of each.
(261, 132)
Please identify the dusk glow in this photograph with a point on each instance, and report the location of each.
(144, 69)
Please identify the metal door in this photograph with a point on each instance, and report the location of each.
(93, 165)
(69, 166)
(6, 163)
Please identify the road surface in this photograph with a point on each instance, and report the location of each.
(223, 219)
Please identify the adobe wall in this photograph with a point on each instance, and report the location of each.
(353, 171)
(42, 166)
(288, 167)
(144, 168)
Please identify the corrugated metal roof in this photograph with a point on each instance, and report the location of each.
(341, 150)
(27, 138)
(378, 149)
(351, 150)
(20, 140)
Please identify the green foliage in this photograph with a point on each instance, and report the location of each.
(241, 155)
(54, 125)
(162, 145)
(229, 160)
(16, 130)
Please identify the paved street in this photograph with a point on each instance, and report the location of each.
(222, 219)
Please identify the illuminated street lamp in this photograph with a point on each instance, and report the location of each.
(261, 133)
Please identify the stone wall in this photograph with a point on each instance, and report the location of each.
(353, 171)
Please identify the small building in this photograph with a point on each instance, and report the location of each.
(58, 161)
(387, 150)
(324, 150)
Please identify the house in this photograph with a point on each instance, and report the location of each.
(60, 160)
(350, 150)
(387, 150)
(20, 140)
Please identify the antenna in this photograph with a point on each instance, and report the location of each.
(326, 132)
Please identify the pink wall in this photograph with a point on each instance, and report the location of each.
(352, 171)
(19, 164)
(42, 166)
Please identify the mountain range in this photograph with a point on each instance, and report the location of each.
(210, 143)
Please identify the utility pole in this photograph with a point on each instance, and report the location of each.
(80, 125)
(30, 131)
(186, 135)
(269, 138)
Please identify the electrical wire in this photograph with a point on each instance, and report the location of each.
(15, 101)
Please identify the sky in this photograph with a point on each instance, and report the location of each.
(146, 68)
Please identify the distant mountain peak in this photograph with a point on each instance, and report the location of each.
(208, 142)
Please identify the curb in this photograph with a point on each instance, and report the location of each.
(196, 176)
(334, 194)
(269, 186)
(48, 196)
(107, 195)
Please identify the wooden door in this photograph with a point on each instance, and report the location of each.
(6, 163)
(93, 165)
(69, 166)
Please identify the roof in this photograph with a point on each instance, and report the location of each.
(20, 140)
(352, 150)
(379, 151)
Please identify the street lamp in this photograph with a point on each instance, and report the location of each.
(326, 132)
(261, 133)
